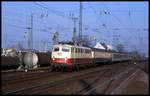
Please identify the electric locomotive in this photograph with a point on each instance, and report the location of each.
(66, 56)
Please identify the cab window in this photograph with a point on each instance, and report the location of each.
(56, 49)
(65, 49)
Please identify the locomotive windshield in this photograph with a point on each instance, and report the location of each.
(56, 49)
(65, 49)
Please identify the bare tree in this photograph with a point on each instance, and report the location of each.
(135, 54)
(20, 46)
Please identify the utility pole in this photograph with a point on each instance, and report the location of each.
(30, 35)
(116, 39)
(55, 37)
(6, 40)
(44, 46)
(80, 23)
(74, 31)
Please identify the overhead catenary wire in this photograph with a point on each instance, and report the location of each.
(37, 20)
(54, 11)
(99, 17)
(44, 28)
(60, 14)
(40, 23)
(128, 29)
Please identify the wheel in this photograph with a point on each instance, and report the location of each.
(69, 69)
(94, 65)
(77, 68)
(54, 69)
(65, 69)
(73, 68)
(62, 69)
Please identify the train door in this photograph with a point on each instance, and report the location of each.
(73, 55)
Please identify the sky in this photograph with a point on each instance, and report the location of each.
(127, 20)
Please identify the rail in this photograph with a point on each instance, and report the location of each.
(105, 82)
(56, 83)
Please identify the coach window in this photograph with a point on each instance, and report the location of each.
(56, 49)
(86, 51)
(81, 50)
(76, 50)
(72, 49)
(89, 51)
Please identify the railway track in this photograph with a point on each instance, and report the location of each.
(98, 74)
(14, 71)
(20, 79)
(104, 85)
(81, 90)
(28, 77)
(143, 65)
(51, 85)
(46, 86)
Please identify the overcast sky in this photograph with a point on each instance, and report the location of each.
(128, 20)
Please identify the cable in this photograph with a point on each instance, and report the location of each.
(21, 14)
(60, 14)
(54, 11)
(12, 19)
(97, 15)
(113, 14)
(22, 27)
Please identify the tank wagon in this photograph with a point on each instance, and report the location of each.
(12, 62)
(68, 57)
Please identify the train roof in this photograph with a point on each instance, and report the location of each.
(93, 49)
(71, 45)
(102, 50)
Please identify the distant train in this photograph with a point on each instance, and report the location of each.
(68, 57)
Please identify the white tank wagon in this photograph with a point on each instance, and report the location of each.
(30, 60)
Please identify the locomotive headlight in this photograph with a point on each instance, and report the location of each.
(53, 58)
(65, 58)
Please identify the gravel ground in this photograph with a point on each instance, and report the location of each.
(136, 86)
